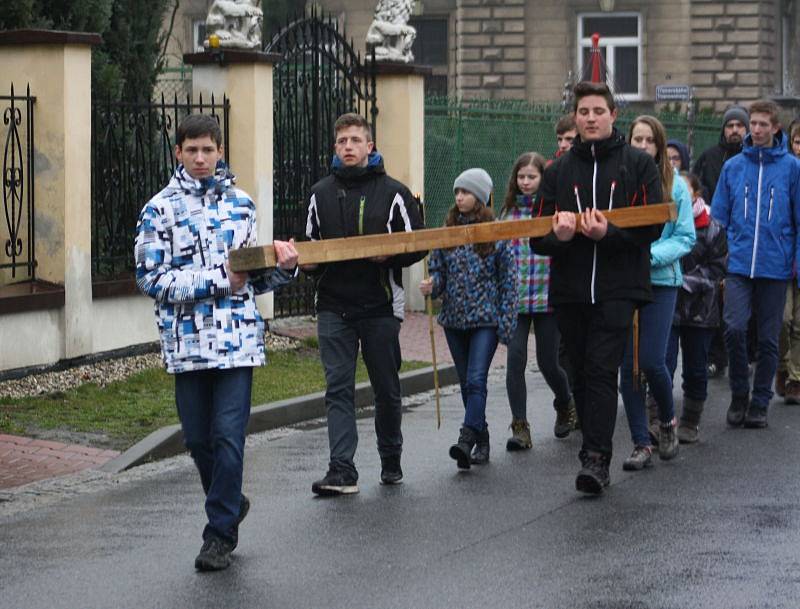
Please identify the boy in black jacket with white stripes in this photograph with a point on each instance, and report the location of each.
(360, 302)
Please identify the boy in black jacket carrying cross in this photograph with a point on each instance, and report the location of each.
(600, 273)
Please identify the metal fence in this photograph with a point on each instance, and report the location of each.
(492, 133)
(172, 82)
(18, 253)
(132, 159)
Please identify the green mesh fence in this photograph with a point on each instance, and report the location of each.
(492, 133)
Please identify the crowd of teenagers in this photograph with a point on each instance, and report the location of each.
(610, 307)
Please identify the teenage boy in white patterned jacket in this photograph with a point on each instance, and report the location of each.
(212, 335)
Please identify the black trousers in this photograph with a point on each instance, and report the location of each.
(595, 336)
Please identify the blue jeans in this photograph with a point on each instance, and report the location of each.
(766, 298)
(695, 343)
(472, 352)
(214, 407)
(548, 340)
(655, 322)
(379, 339)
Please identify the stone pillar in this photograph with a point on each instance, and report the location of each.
(246, 78)
(490, 49)
(400, 137)
(58, 67)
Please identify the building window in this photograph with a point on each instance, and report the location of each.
(430, 49)
(198, 35)
(620, 47)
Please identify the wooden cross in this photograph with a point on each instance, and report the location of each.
(390, 244)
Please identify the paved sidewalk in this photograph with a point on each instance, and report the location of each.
(25, 460)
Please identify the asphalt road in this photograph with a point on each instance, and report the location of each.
(719, 527)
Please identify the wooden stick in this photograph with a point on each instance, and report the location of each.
(389, 244)
(636, 350)
(429, 309)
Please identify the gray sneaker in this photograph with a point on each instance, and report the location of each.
(667, 440)
(639, 459)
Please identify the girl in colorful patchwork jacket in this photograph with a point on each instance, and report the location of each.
(478, 288)
(533, 272)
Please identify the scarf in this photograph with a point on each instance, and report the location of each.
(700, 213)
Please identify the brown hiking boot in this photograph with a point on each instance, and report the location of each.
(520, 435)
(792, 393)
(566, 419)
(781, 378)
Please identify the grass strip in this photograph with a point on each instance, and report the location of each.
(126, 411)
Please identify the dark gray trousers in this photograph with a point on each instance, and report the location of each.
(339, 341)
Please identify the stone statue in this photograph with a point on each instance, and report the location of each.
(390, 35)
(237, 24)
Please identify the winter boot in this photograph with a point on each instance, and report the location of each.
(756, 417)
(737, 408)
(461, 451)
(667, 440)
(566, 419)
(480, 454)
(688, 428)
(593, 476)
(520, 435)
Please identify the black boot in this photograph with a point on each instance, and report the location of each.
(461, 450)
(738, 408)
(593, 476)
(480, 454)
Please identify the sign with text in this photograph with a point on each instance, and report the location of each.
(673, 92)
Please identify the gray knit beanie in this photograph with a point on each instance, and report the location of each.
(736, 113)
(476, 181)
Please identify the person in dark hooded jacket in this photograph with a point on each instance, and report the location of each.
(600, 272)
(360, 303)
(678, 155)
(697, 312)
(735, 125)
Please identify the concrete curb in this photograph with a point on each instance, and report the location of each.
(168, 441)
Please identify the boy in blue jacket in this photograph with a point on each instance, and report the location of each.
(756, 200)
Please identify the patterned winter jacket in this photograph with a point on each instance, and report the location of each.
(476, 292)
(183, 238)
(533, 271)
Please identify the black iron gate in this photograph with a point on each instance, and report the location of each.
(318, 78)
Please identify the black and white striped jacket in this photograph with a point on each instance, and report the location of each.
(361, 201)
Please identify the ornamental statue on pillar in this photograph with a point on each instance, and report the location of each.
(390, 35)
(234, 24)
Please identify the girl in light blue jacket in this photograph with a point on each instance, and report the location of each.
(655, 318)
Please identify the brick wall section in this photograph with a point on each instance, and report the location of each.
(731, 44)
(490, 49)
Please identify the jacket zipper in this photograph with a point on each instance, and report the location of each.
(594, 205)
(362, 202)
(771, 199)
(745, 201)
(758, 215)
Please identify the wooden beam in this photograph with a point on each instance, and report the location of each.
(367, 246)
